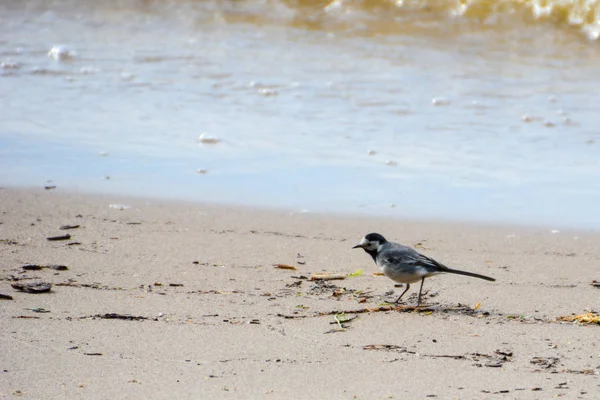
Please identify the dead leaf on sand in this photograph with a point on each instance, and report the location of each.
(327, 277)
(285, 266)
(587, 318)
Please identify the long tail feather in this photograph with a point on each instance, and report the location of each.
(465, 273)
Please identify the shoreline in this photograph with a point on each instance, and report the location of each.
(171, 299)
(359, 214)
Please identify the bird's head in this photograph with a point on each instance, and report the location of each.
(371, 243)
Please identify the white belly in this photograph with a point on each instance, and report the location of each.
(405, 275)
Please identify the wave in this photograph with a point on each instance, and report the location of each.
(412, 16)
(376, 17)
(362, 17)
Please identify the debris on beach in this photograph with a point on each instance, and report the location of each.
(5, 297)
(545, 362)
(340, 319)
(292, 316)
(285, 266)
(378, 274)
(595, 284)
(358, 272)
(424, 309)
(32, 287)
(38, 310)
(386, 347)
(494, 360)
(327, 277)
(66, 227)
(95, 285)
(59, 237)
(32, 267)
(587, 318)
(420, 245)
(119, 206)
(49, 185)
(127, 317)
(37, 267)
(359, 310)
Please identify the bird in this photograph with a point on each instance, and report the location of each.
(404, 264)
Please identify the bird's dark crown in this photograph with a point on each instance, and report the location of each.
(375, 237)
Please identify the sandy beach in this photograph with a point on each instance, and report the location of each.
(165, 299)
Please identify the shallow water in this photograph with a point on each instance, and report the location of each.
(488, 114)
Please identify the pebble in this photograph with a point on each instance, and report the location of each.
(205, 139)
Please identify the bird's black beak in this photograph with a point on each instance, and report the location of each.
(358, 246)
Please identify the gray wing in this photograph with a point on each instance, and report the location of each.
(402, 255)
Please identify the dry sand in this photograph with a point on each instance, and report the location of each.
(236, 327)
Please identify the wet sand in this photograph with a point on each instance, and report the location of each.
(218, 320)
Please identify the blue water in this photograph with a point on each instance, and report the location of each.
(480, 125)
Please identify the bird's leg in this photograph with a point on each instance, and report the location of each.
(420, 290)
(405, 290)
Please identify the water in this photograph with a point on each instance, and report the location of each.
(423, 109)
